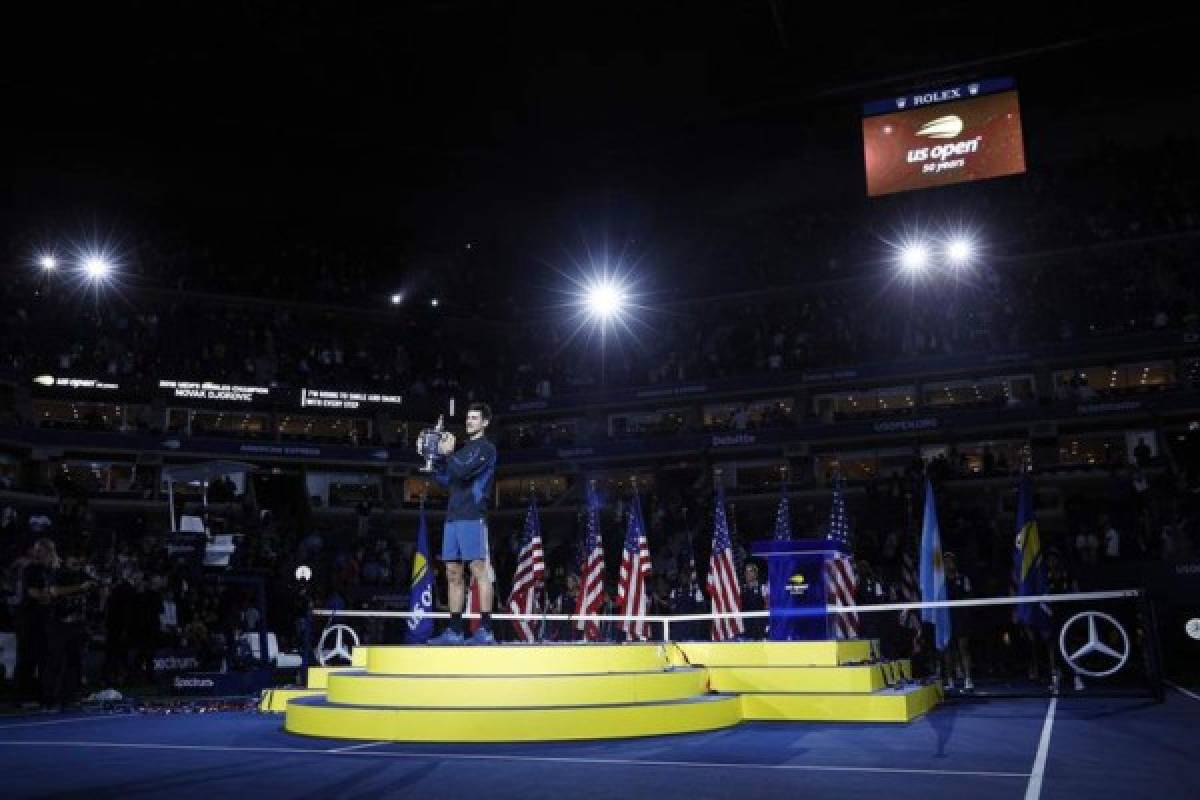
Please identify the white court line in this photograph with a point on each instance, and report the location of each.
(65, 721)
(1034, 790)
(1179, 688)
(624, 762)
(354, 747)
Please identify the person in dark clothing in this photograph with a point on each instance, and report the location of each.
(755, 596)
(67, 637)
(871, 591)
(958, 654)
(687, 597)
(469, 474)
(144, 628)
(564, 603)
(31, 623)
(118, 630)
(55, 597)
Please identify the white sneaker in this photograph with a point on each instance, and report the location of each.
(1079, 687)
(950, 683)
(968, 685)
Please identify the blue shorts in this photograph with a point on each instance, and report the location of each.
(465, 540)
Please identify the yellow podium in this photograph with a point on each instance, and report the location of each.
(559, 692)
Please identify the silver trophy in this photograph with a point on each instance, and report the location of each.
(428, 441)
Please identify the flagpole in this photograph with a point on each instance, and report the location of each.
(637, 505)
(718, 495)
(691, 566)
(416, 550)
(579, 595)
(541, 637)
(718, 505)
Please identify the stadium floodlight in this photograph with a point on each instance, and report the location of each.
(397, 298)
(607, 305)
(48, 262)
(434, 302)
(914, 257)
(605, 299)
(304, 573)
(959, 251)
(96, 266)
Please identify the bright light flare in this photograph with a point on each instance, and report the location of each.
(605, 299)
(607, 303)
(48, 262)
(914, 257)
(97, 267)
(959, 251)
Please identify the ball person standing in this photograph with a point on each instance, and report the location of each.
(469, 475)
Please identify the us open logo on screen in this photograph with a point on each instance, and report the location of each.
(971, 135)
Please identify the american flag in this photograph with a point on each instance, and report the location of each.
(783, 520)
(841, 580)
(739, 553)
(635, 567)
(530, 576)
(723, 586)
(591, 587)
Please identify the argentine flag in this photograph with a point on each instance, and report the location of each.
(933, 573)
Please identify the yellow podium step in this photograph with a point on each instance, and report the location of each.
(857, 678)
(517, 659)
(886, 705)
(318, 677)
(504, 691)
(318, 717)
(275, 700)
(776, 654)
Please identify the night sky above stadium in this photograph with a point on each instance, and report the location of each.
(437, 122)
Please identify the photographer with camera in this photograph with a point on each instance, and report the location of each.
(469, 475)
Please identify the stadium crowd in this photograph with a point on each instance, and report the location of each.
(182, 312)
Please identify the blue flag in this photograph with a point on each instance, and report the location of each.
(421, 591)
(933, 573)
(1029, 567)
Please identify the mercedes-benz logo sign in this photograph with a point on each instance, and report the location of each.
(339, 649)
(1094, 644)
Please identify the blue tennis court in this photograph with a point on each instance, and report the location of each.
(1072, 747)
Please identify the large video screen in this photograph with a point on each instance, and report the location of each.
(947, 136)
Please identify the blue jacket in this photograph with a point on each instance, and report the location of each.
(469, 475)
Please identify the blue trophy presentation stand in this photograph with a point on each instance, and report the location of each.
(796, 578)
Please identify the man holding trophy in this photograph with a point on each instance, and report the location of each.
(469, 475)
